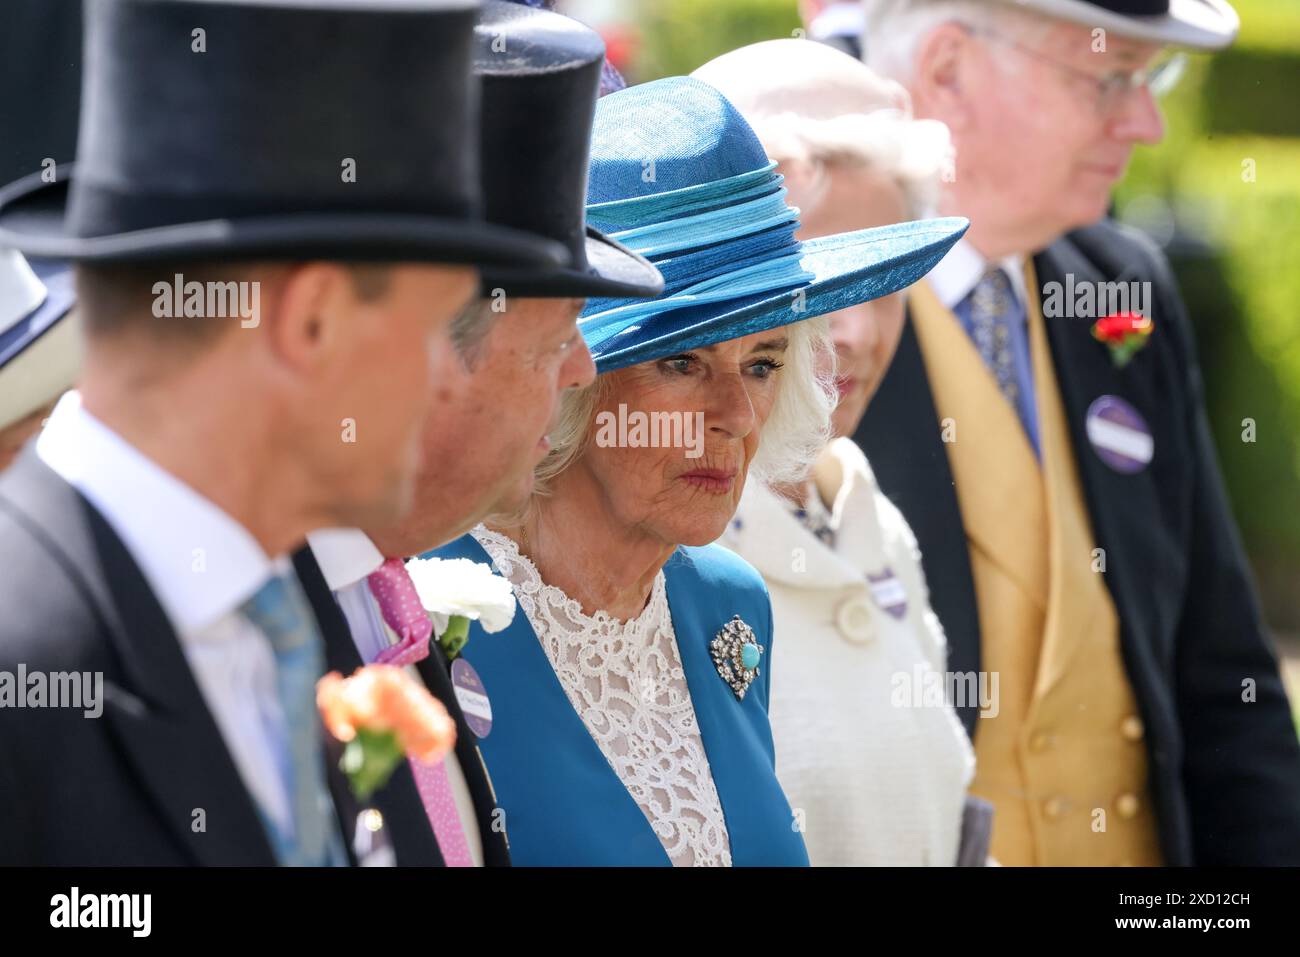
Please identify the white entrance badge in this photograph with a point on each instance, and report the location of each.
(1119, 435)
(888, 592)
(472, 697)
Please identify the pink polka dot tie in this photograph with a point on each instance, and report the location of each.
(399, 603)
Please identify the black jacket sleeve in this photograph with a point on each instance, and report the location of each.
(1241, 758)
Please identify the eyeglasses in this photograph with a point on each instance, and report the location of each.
(1112, 88)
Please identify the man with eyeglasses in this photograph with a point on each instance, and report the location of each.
(1142, 719)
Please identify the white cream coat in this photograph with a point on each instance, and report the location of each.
(872, 781)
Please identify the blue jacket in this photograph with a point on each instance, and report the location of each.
(563, 803)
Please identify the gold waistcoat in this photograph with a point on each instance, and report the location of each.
(1063, 760)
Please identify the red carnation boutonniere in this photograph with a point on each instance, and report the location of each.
(1124, 333)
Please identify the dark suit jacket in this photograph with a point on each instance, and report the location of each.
(149, 781)
(343, 656)
(1225, 774)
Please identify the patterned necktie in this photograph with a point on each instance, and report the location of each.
(400, 605)
(280, 611)
(991, 311)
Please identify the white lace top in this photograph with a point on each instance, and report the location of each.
(625, 680)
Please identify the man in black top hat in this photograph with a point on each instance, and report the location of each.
(519, 349)
(272, 241)
(1030, 416)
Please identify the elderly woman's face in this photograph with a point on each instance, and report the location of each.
(865, 335)
(718, 398)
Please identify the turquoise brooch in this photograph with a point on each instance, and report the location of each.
(736, 653)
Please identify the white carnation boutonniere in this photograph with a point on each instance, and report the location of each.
(456, 591)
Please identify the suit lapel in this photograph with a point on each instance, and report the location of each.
(399, 800)
(1121, 507)
(436, 672)
(156, 710)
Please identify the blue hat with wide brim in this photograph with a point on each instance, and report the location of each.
(678, 176)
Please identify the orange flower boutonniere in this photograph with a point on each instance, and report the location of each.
(382, 714)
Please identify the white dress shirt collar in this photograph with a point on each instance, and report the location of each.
(200, 562)
(958, 273)
(345, 555)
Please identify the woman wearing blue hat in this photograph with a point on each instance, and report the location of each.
(629, 700)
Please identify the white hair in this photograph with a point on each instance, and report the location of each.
(895, 28)
(796, 429)
(813, 107)
(799, 425)
(913, 154)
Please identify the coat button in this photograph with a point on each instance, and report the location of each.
(1127, 805)
(1054, 807)
(856, 620)
(1131, 728)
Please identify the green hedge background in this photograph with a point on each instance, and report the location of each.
(1223, 188)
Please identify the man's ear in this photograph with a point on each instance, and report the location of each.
(306, 311)
(938, 91)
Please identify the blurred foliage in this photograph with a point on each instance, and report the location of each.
(1229, 173)
(1235, 240)
(679, 35)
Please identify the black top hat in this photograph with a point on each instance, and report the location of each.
(540, 75)
(231, 129)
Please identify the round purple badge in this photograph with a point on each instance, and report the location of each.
(1119, 435)
(472, 697)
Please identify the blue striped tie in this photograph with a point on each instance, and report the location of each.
(280, 610)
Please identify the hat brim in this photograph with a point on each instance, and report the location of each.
(848, 268)
(1194, 24)
(33, 219)
(612, 270)
(41, 361)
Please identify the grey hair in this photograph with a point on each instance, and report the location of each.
(913, 154)
(795, 431)
(895, 28)
(471, 327)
